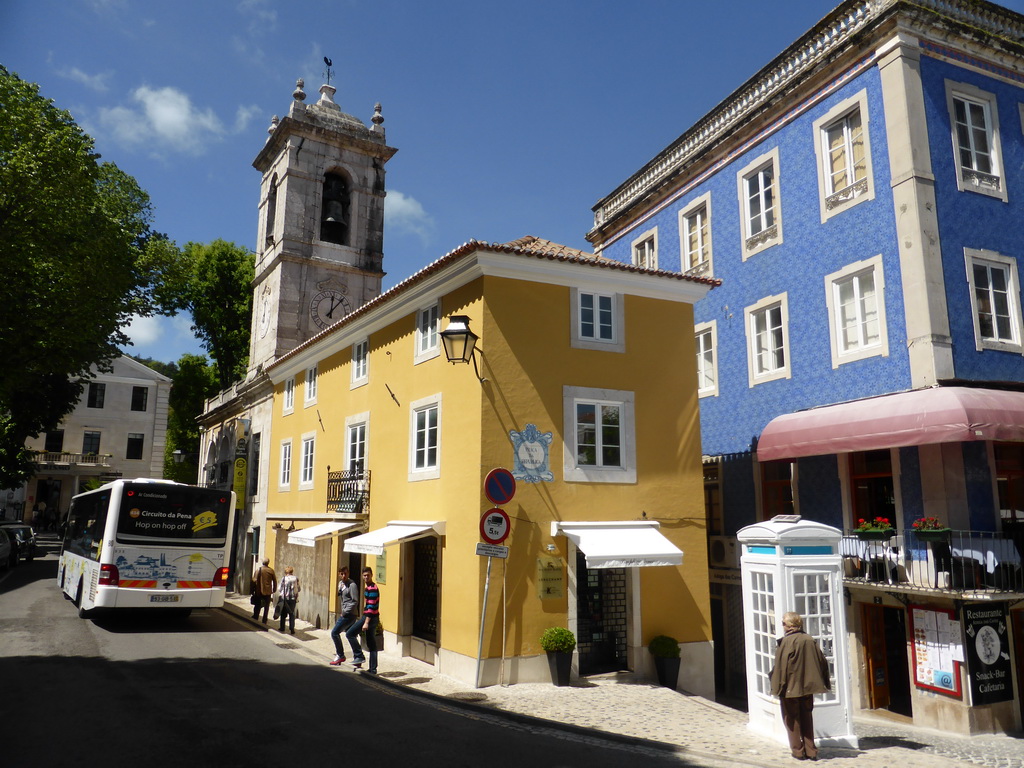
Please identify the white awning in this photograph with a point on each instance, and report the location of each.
(373, 543)
(307, 536)
(621, 544)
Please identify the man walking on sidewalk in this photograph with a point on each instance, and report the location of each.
(367, 623)
(801, 670)
(264, 583)
(348, 613)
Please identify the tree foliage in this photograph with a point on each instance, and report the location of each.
(194, 380)
(79, 258)
(214, 283)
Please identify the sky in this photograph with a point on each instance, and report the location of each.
(510, 118)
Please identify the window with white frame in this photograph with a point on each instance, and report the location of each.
(427, 338)
(310, 386)
(760, 207)
(425, 439)
(288, 401)
(695, 236)
(356, 428)
(306, 464)
(974, 127)
(707, 366)
(995, 300)
(855, 296)
(768, 340)
(645, 250)
(360, 362)
(599, 434)
(285, 477)
(844, 156)
(597, 320)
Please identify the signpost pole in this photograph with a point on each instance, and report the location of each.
(483, 618)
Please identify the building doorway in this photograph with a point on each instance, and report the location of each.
(601, 618)
(885, 646)
(426, 571)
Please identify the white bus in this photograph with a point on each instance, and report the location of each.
(147, 543)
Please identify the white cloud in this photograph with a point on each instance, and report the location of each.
(405, 214)
(144, 331)
(93, 82)
(162, 338)
(166, 120)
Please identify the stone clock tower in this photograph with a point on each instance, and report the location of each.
(321, 223)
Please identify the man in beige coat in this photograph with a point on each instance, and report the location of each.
(801, 671)
(264, 582)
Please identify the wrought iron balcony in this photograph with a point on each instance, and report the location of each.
(937, 561)
(348, 491)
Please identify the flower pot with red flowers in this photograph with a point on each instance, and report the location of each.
(875, 529)
(930, 529)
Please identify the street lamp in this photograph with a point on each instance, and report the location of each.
(460, 342)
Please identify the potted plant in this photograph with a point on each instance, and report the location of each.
(665, 651)
(877, 528)
(930, 529)
(559, 644)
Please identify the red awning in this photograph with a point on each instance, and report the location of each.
(922, 417)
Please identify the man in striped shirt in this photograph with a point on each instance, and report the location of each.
(368, 624)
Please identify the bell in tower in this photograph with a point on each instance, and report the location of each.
(334, 225)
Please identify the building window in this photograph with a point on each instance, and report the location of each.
(695, 237)
(776, 489)
(271, 210)
(97, 394)
(310, 386)
(707, 366)
(254, 465)
(355, 448)
(1009, 462)
(974, 127)
(760, 208)
(767, 324)
(871, 486)
(855, 296)
(425, 439)
(844, 156)
(136, 441)
(597, 321)
(599, 438)
(306, 461)
(645, 250)
(995, 300)
(54, 441)
(288, 403)
(91, 442)
(140, 398)
(360, 362)
(427, 346)
(285, 479)
(334, 217)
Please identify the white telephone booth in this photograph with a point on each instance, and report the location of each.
(789, 564)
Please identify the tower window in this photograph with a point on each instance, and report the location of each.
(271, 209)
(334, 221)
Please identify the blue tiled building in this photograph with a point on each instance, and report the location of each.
(861, 199)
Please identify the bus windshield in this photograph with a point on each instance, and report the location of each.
(173, 515)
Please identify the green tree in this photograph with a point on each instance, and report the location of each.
(214, 283)
(194, 380)
(79, 258)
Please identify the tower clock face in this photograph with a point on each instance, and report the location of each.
(328, 307)
(264, 315)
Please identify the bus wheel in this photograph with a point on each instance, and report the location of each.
(82, 612)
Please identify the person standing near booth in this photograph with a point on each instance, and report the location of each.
(800, 672)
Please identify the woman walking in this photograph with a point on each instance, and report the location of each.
(290, 589)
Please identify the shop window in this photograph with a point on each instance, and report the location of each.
(776, 489)
(871, 486)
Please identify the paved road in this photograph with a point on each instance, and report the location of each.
(210, 690)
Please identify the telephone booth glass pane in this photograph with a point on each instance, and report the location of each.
(763, 621)
(812, 596)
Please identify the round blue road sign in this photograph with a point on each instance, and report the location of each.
(499, 486)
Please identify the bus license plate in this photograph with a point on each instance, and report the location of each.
(164, 598)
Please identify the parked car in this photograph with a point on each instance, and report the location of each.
(7, 555)
(23, 539)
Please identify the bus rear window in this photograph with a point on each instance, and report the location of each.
(186, 516)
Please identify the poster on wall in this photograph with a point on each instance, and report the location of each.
(988, 652)
(938, 651)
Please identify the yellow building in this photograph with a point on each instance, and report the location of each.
(380, 449)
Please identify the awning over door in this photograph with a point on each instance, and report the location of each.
(922, 417)
(307, 536)
(373, 543)
(624, 544)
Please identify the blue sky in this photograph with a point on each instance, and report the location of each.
(510, 118)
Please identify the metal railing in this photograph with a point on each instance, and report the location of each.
(55, 458)
(348, 491)
(944, 561)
